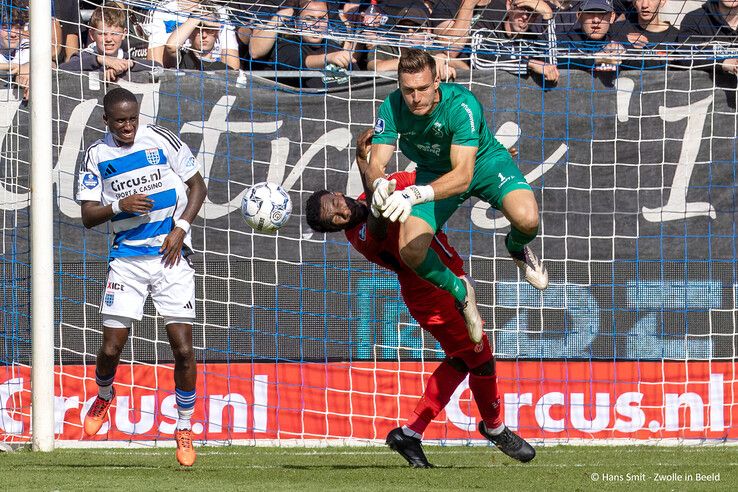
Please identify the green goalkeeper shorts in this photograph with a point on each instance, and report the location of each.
(493, 179)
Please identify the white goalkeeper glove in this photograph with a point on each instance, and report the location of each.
(400, 203)
(383, 188)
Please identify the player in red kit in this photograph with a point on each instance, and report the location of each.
(433, 308)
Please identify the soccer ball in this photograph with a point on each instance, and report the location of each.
(266, 206)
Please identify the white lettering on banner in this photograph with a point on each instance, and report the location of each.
(218, 122)
(69, 156)
(628, 410)
(717, 400)
(339, 138)
(677, 207)
(61, 406)
(513, 402)
(624, 87)
(672, 404)
(601, 411)
(169, 410)
(278, 162)
(219, 403)
(261, 392)
(629, 405)
(7, 391)
(544, 419)
(65, 166)
(10, 200)
(211, 130)
(144, 407)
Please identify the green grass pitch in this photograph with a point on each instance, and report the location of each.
(374, 468)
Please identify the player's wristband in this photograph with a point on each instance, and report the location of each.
(182, 224)
(116, 207)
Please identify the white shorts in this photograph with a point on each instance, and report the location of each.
(132, 279)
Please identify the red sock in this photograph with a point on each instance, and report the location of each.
(441, 385)
(484, 389)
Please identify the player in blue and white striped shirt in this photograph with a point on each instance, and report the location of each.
(138, 178)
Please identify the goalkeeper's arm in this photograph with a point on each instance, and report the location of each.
(377, 225)
(400, 203)
(374, 176)
(378, 160)
(363, 147)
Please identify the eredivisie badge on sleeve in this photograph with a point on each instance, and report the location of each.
(379, 126)
(90, 181)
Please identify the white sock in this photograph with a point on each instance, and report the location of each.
(496, 431)
(411, 433)
(183, 422)
(105, 392)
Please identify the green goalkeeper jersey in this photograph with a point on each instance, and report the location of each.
(458, 119)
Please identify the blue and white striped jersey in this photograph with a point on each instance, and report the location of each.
(157, 164)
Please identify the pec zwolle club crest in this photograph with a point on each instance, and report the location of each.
(152, 155)
(109, 298)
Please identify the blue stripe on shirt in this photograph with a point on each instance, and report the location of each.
(124, 250)
(145, 231)
(162, 200)
(131, 162)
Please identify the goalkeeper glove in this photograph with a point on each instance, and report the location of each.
(383, 188)
(400, 203)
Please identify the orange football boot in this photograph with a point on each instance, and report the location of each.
(97, 415)
(185, 451)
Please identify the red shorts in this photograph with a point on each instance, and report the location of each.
(438, 316)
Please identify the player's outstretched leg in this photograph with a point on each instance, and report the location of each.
(532, 268)
(470, 312)
(509, 443)
(409, 447)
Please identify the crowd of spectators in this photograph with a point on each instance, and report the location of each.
(536, 37)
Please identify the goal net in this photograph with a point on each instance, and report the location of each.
(299, 339)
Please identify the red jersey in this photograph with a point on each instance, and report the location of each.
(386, 253)
(433, 308)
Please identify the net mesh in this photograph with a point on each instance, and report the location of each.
(300, 338)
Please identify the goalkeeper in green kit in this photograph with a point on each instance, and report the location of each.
(441, 127)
